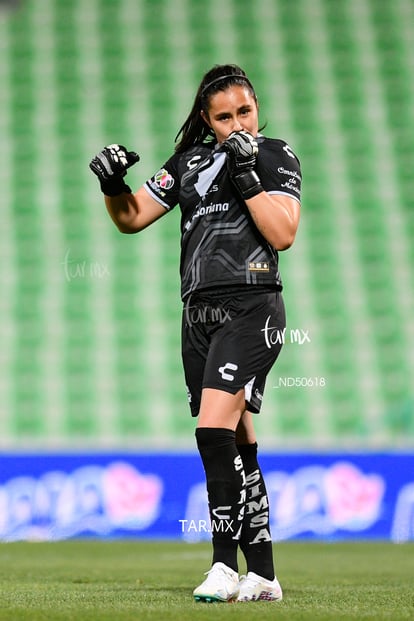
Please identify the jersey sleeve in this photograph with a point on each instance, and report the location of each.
(279, 169)
(164, 186)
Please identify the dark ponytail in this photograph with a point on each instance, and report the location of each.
(219, 78)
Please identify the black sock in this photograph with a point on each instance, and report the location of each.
(226, 489)
(255, 541)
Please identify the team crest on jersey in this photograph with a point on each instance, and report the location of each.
(163, 179)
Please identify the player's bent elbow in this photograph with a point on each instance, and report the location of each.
(126, 224)
(281, 247)
(285, 243)
(127, 230)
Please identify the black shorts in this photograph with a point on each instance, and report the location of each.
(230, 340)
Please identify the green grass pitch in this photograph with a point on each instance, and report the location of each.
(144, 580)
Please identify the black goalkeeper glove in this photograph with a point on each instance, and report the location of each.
(110, 166)
(242, 149)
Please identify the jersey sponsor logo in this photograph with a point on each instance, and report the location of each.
(289, 173)
(289, 185)
(205, 211)
(229, 366)
(293, 181)
(258, 266)
(163, 179)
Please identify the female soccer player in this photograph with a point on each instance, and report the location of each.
(239, 195)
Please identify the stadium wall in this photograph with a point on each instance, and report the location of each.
(334, 496)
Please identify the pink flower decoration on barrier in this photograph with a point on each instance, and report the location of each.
(353, 498)
(131, 498)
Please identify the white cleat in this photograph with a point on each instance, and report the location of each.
(254, 588)
(221, 585)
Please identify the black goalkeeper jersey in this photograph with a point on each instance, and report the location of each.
(220, 244)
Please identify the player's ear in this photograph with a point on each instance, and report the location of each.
(205, 118)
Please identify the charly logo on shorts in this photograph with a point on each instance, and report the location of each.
(229, 366)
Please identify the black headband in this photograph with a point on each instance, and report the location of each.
(225, 77)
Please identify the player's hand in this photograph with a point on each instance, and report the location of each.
(242, 149)
(110, 166)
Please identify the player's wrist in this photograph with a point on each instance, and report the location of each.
(114, 186)
(248, 183)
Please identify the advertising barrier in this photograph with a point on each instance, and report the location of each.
(163, 495)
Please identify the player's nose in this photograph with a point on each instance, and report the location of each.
(237, 126)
